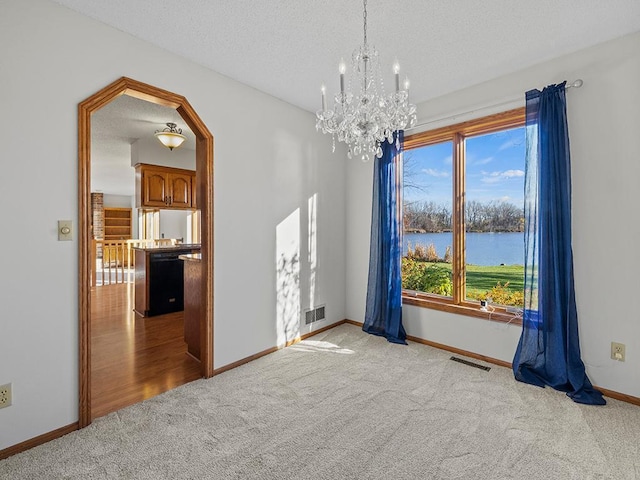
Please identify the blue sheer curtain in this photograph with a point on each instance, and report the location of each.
(549, 351)
(383, 314)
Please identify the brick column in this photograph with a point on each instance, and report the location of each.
(97, 219)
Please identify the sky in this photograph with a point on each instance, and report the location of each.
(495, 169)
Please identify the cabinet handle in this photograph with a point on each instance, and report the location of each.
(170, 200)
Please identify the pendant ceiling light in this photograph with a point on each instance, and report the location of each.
(171, 137)
(367, 117)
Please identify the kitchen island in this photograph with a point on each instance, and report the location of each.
(159, 278)
(192, 302)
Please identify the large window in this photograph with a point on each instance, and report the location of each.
(463, 217)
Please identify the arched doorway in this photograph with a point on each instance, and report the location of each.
(204, 186)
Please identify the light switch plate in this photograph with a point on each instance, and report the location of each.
(65, 230)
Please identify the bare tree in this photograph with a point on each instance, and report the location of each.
(479, 217)
(411, 174)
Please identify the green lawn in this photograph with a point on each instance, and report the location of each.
(485, 278)
(481, 281)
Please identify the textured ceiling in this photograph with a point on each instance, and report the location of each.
(289, 48)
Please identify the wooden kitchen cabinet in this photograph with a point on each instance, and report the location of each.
(163, 187)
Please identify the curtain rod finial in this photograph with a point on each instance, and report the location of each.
(576, 83)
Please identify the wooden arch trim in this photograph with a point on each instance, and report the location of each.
(204, 186)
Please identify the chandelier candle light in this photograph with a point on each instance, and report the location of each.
(365, 119)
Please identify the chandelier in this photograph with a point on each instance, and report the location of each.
(366, 118)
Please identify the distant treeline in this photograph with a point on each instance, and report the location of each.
(494, 216)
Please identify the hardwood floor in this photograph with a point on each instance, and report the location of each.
(133, 358)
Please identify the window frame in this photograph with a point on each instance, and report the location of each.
(457, 134)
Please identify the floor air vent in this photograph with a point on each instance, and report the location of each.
(314, 315)
(471, 364)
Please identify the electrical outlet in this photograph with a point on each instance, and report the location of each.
(5, 395)
(617, 351)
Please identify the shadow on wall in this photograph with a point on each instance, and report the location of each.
(289, 265)
(288, 278)
(297, 256)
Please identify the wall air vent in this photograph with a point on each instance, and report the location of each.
(314, 315)
(309, 317)
(471, 364)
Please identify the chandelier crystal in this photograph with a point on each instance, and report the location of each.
(366, 118)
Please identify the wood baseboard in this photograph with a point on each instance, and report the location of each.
(442, 346)
(44, 438)
(39, 440)
(459, 351)
(623, 397)
(242, 361)
(352, 322)
(255, 356)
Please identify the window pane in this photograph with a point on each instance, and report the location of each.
(494, 217)
(427, 194)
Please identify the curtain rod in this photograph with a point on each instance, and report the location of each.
(575, 84)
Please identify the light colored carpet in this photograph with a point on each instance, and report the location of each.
(341, 405)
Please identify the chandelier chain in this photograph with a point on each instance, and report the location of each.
(364, 16)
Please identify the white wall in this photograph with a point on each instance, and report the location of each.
(604, 126)
(117, 201)
(173, 224)
(151, 151)
(269, 161)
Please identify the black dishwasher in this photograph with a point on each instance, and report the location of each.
(166, 283)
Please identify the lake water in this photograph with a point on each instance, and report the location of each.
(482, 248)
